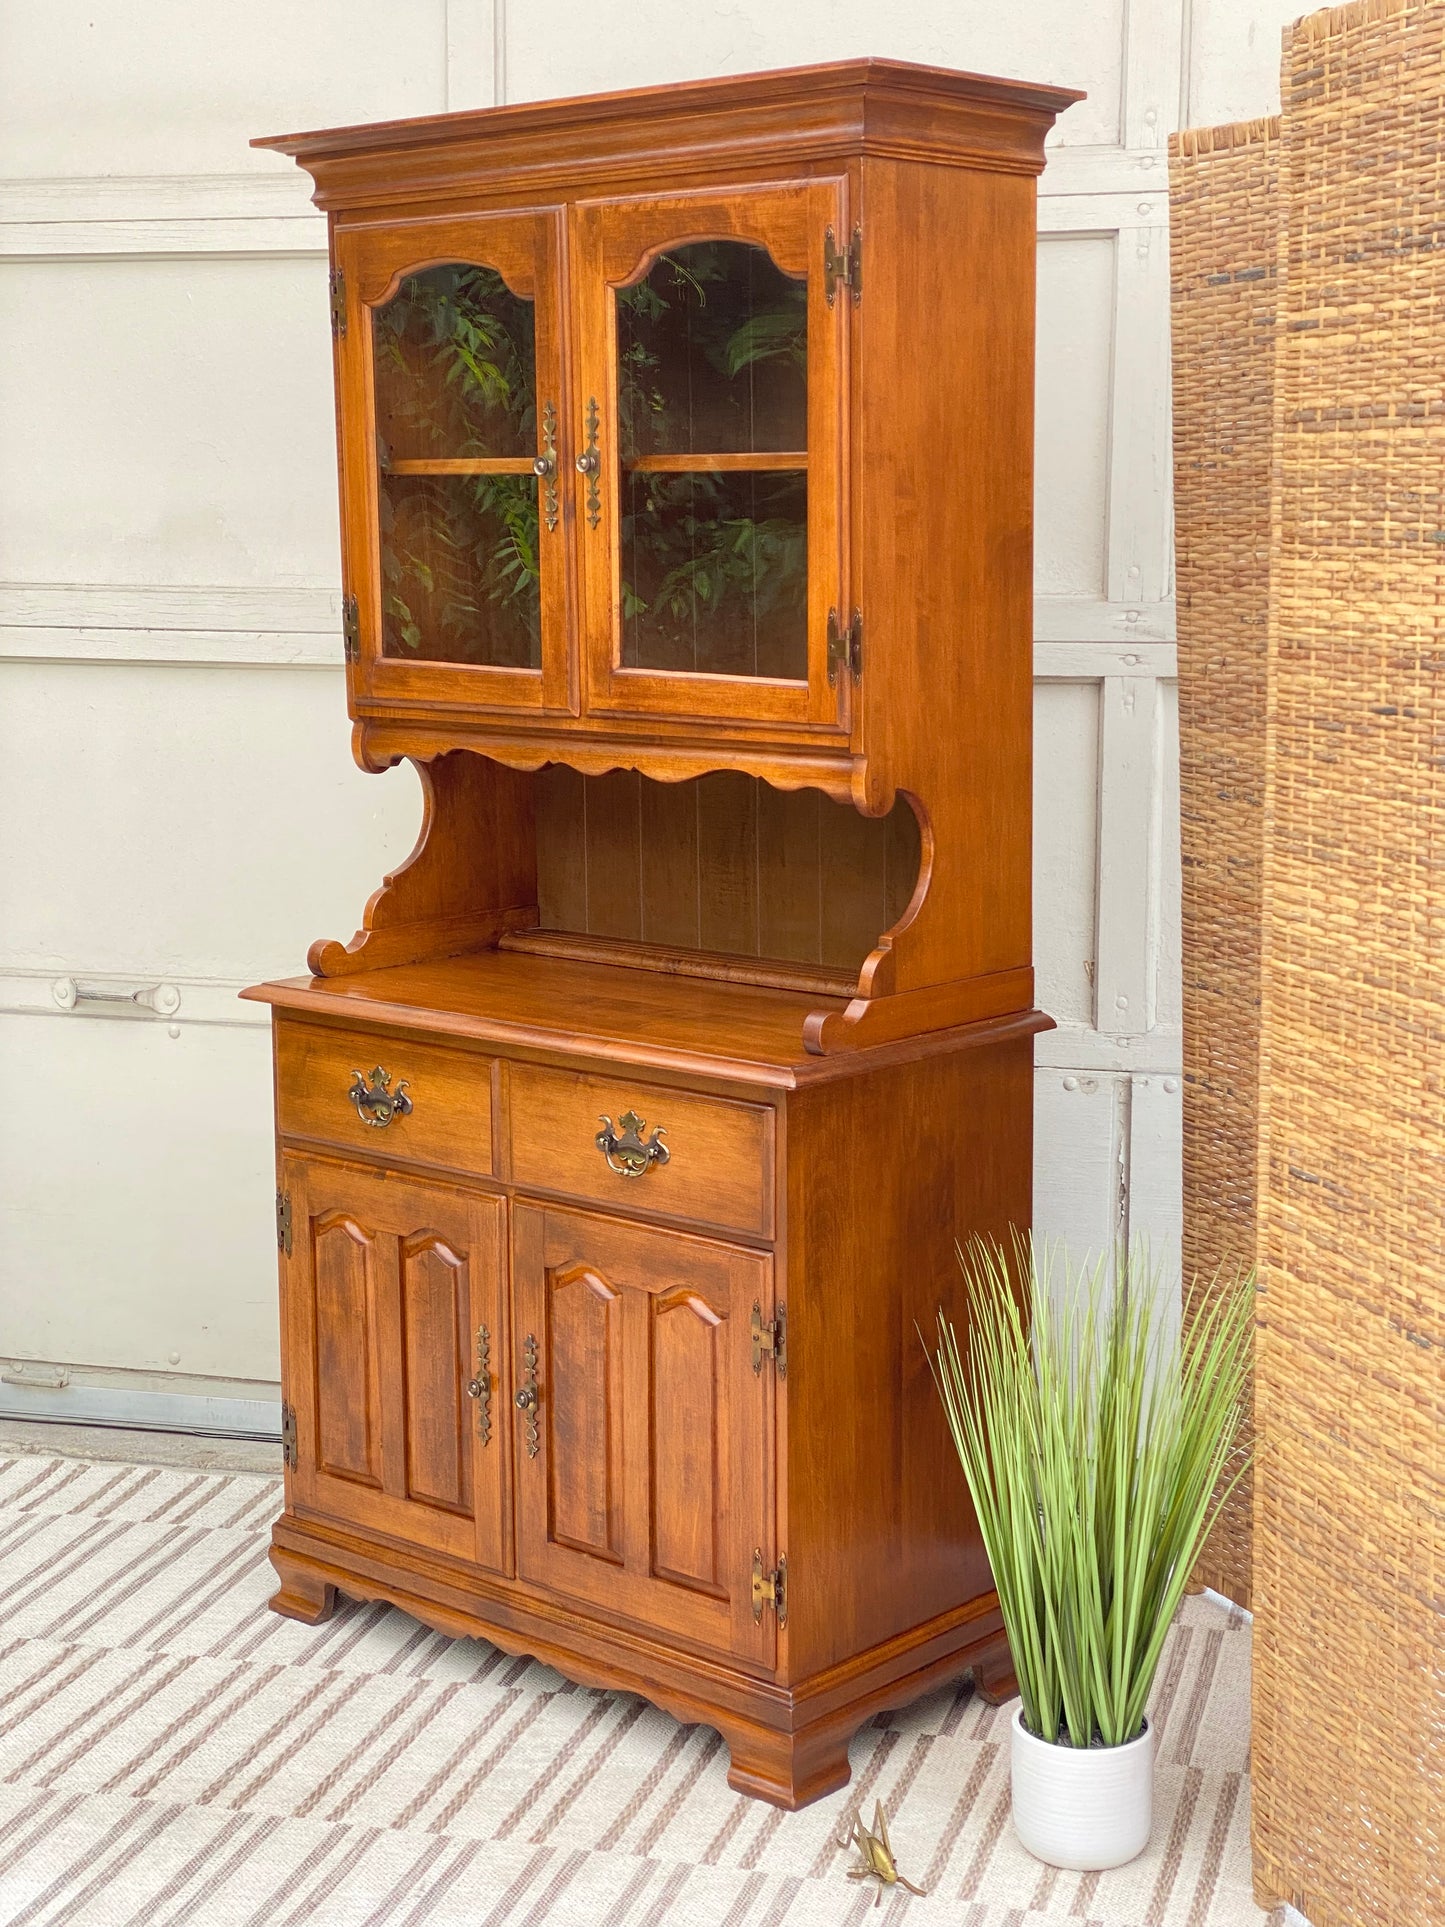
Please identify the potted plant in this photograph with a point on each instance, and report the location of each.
(1097, 1449)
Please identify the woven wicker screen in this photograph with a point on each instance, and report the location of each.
(1223, 243)
(1349, 1523)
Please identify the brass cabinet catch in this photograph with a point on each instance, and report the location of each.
(628, 1155)
(528, 1399)
(545, 466)
(375, 1104)
(480, 1387)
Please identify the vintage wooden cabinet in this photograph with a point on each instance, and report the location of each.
(685, 444)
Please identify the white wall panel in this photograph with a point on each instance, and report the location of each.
(578, 46)
(166, 421)
(1066, 837)
(1074, 382)
(212, 825)
(170, 87)
(135, 1214)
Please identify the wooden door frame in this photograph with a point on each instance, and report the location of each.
(526, 247)
(612, 242)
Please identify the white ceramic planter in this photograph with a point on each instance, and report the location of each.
(1083, 1807)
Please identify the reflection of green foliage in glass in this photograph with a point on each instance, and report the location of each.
(456, 376)
(463, 541)
(720, 309)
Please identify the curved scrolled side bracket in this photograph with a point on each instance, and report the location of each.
(876, 978)
(905, 986)
(471, 876)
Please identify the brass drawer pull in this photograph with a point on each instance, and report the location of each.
(375, 1104)
(629, 1156)
(527, 1399)
(480, 1387)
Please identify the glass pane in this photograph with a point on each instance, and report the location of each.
(459, 569)
(714, 573)
(712, 348)
(456, 373)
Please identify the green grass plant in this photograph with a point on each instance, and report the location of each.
(1098, 1450)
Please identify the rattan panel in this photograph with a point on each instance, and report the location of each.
(1349, 1726)
(1223, 239)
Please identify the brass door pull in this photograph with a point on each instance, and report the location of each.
(545, 466)
(375, 1104)
(480, 1387)
(527, 1399)
(629, 1155)
(589, 463)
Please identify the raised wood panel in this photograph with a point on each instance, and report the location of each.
(723, 862)
(582, 1368)
(437, 1347)
(688, 1390)
(345, 1260)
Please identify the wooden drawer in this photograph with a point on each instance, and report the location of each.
(449, 1124)
(719, 1168)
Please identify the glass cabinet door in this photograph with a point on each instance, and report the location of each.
(451, 409)
(708, 407)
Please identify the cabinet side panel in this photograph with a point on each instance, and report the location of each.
(942, 486)
(885, 1172)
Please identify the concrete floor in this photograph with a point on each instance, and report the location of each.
(42, 1438)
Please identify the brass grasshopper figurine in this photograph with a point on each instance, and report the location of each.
(877, 1855)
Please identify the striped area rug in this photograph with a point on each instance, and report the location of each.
(172, 1752)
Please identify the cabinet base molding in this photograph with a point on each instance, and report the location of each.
(787, 1745)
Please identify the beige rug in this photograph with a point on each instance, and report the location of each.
(171, 1752)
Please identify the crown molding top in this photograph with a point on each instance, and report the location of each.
(794, 117)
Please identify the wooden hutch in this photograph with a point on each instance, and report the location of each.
(685, 453)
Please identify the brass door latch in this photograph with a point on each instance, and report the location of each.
(480, 1387)
(528, 1398)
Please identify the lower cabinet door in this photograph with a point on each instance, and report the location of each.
(395, 1357)
(643, 1436)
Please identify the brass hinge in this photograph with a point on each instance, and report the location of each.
(350, 629)
(845, 646)
(288, 1435)
(845, 268)
(771, 1338)
(283, 1222)
(338, 303)
(770, 1588)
